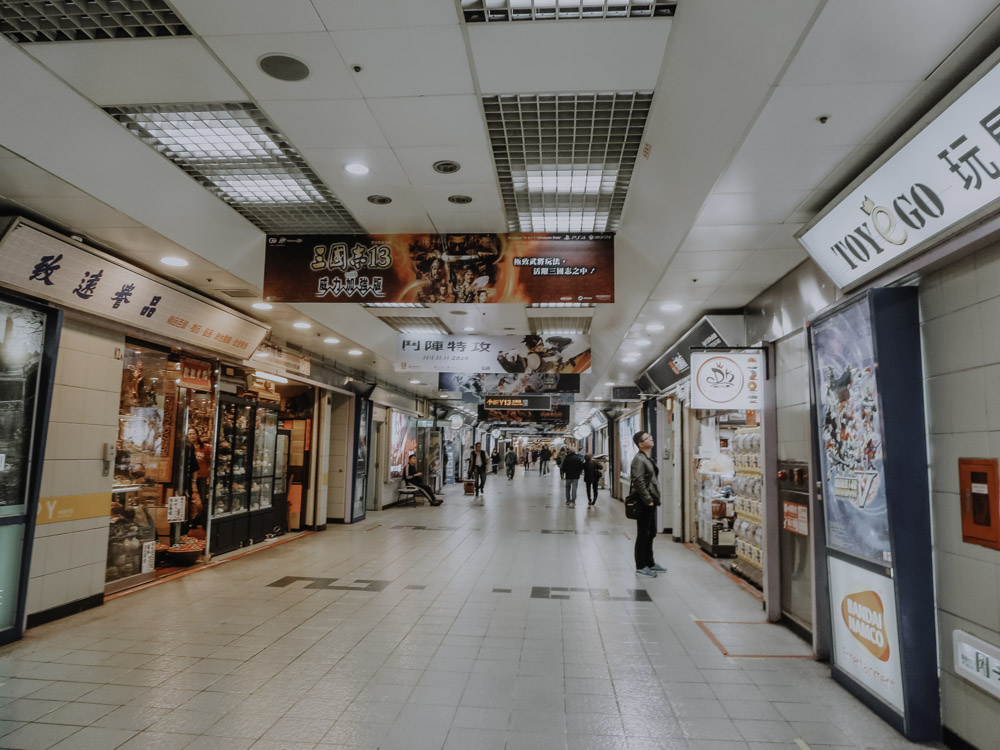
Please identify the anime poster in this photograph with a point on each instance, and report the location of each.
(429, 268)
(402, 441)
(517, 355)
(848, 419)
(482, 383)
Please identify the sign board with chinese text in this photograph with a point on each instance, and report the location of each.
(270, 356)
(626, 393)
(710, 332)
(532, 382)
(196, 374)
(176, 509)
(489, 354)
(977, 661)
(557, 416)
(726, 380)
(523, 401)
(148, 557)
(795, 518)
(41, 265)
(465, 268)
(944, 178)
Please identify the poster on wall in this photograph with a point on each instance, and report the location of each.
(514, 354)
(433, 268)
(849, 420)
(726, 380)
(533, 382)
(865, 630)
(402, 441)
(627, 427)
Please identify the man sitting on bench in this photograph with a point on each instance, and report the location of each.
(415, 478)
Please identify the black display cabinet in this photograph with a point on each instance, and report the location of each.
(876, 566)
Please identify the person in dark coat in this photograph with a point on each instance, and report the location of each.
(415, 477)
(572, 468)
(591, 477)
(478, 465)
(643, 480)
(543, 460)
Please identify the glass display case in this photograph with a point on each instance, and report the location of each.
(231, 464)
(264, 444)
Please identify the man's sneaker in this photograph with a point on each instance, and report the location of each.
(658, 568)
(646, 572)
(572, 505)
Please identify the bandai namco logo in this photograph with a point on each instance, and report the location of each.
(865, 618)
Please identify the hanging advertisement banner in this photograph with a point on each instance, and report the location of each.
(675, 364)
(944, 178)
(45, 266)
(865, 630)
(463, 268)
(849, 420)
(726, 381)
(512, 401)
(274, 356)
(557, 416)
(532, 382)
(486, 354)
(402, 441)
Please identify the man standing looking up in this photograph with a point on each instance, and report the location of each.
(572, 468)
(643, 482)
(543, 460)
(478, 464)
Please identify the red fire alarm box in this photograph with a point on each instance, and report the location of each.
(979, 485)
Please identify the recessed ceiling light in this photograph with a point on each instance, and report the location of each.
(458, 312)
(609, 384)
(283, 67)
(262, 306)
(670, 306)
(446, 166)
(415, 382)
(460, 200)
(642, 342)
(380, 200)
(301, 324)
(470, 329)
(356, 168)
(331, 340)
(172, 261)
(653, 327)
(355, 352)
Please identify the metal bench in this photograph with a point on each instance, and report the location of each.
(407, 494)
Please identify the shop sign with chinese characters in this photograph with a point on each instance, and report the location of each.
(44, 266)
(462, 268)
(273, 356)
(795, 518)
(196, 374)
(726, 381)
(945, 176)
(486, 354)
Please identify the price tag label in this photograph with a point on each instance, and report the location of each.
(176, 509)
(148, 556)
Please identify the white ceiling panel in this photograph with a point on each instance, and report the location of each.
(781, 169)
(784, 236)
(140, 71)
(322, 124)
(248, 16)
(728, 237)
(397, 62)
(778, 262)
(81, 212)
(708, 260)
(329, 76)
(405, 198)
(750, 208)
(329, 165)
(476, 222)
(673, 283)
(417, 121)
(435, 197)
(929, 34)
(393, 221)
(476, 164)
(789, 118)
(22, 179)
(566, 56)
(343, 15)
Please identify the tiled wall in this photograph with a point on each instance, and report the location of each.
(792, 396)
(960, 313)
(69, 557)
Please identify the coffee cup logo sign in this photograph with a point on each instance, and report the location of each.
(864, 616)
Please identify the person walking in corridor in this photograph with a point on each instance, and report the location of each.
(510, 461)
(478, 466)
(495, 460)
(591, 477)
(543, 460)
(572, 468)
(644, 484)
(563, 450)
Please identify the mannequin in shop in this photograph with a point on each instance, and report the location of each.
(415, 477)
(643, 482)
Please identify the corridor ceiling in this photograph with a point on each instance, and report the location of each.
(731, 124)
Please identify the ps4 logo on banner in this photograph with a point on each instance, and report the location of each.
(913, 210)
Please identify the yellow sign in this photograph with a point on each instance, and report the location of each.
(73, 507)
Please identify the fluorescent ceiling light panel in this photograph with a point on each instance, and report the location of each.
(83, 20)
(564, 161)
(234, 152)
(484, 11)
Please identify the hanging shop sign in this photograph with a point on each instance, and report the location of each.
(626, 393)
(675, 364)
(944, 178)
(196, 375)
(865, 630)
(727, 380)
(531, 382)
(463, 268)
(558, 415)
(529, 402)
(270, 356)
(513, 354)
(44, 266)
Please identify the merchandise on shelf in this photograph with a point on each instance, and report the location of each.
(748, 487)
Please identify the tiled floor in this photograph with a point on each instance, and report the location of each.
(511, 622)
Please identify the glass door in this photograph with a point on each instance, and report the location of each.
(283, 442)
(27, 352)
(230, 525)
(262, 479)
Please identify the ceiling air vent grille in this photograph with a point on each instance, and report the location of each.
(240, 293)
(29, 21)
(415, 325)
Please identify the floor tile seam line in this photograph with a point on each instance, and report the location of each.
(712, 638)
(694, 549)
(770, 656)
